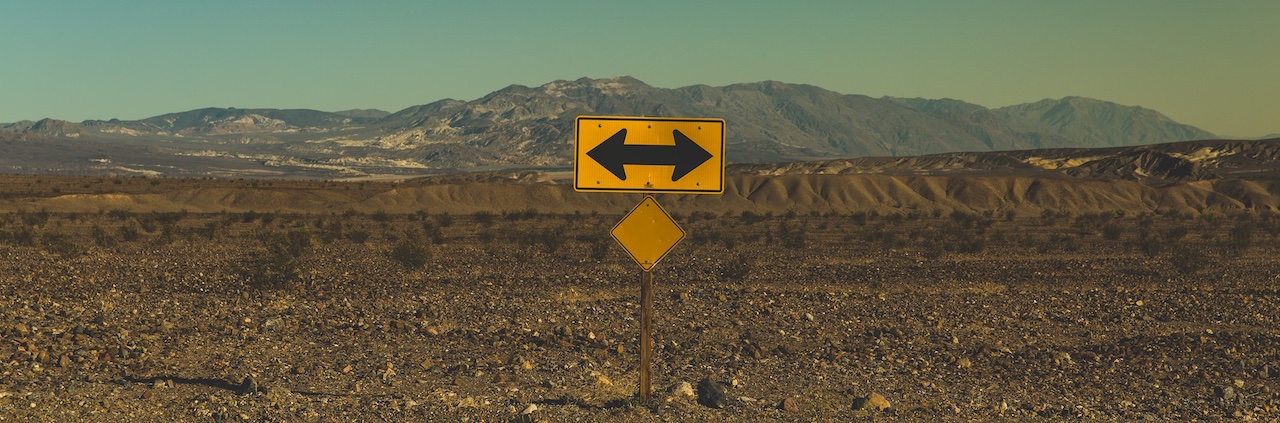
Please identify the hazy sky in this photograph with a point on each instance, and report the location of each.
(1212, 64)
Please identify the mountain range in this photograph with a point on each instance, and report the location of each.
(521, 126)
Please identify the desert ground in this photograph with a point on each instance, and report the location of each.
(112, 312)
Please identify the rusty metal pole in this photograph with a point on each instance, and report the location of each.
(646, 334)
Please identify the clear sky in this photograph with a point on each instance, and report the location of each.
(1212, 64)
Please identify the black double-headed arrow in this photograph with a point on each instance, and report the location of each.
(613, 153)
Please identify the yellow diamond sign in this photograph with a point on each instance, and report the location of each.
(647, 233)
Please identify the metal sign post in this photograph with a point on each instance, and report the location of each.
(646, 334)
(648, 155)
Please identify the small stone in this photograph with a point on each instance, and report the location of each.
(711, 394)
(789, 405)
(530, 409)
(1061, 358)
(1224, 393)
(1238, 383)
(682, 389)
(278, 395)
(248, 386)
(603, 380)
(874, 401)
(964, 363)
(808, 316)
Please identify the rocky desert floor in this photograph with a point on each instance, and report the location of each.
(528, 316)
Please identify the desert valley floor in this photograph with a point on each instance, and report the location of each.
(526, 315)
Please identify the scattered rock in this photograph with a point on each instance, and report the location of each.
(682, 389)
(964, 363)
(808, 316)
(873, 401)
(278, 394)
(530, 409)
(789, 405)
(1224, 393)
(711, 394)
(247, 386)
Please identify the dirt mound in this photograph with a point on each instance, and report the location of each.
(843, 193)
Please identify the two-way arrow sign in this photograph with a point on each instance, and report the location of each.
(644, 154)
(614, 154)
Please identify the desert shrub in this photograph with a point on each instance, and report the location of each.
(705, 237)
(330, 231)
(525, 214)
(1187, 260)
(101, 237)
(381, 216)
(433, 232)
(881, 236)
(956, 237)
(445, 220)
(705, 215)
(1111, 231)
(60, 244)
(1240, 238)
(738, 268)
(791, 237)
(269, 270)
(276, 265)
(128, 232)
(551, 239)
(1148, 244)
(19, 237)
(485, 237)
(483, 218)
(859, 218)
(749, 217)
(34, 218)
(208, 231)
(292, 243)
(599, 248)
(358, 236)
(1174, 234)
(410, 254)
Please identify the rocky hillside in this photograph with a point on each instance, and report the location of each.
(520, 126)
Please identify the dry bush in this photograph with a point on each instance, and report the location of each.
(410, 254)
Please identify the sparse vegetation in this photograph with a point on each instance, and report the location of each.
(412, 255)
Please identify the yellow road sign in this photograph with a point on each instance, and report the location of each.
(647, 233)
(649, 154)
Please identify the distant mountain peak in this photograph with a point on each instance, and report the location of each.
(768, 121)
